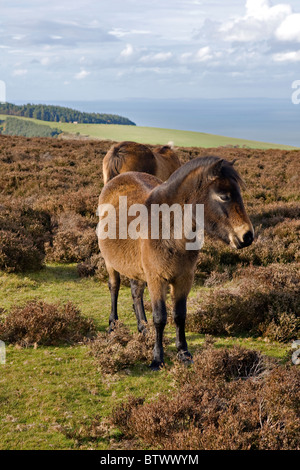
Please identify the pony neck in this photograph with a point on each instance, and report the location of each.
(184, 187)
(181, 187)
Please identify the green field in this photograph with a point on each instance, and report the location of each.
(153, 135)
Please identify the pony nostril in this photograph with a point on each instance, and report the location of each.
(248, 238)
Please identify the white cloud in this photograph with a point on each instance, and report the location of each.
(293, 56)
(127, 52)
(289, 30)
(186, 56)
(244, 42)
(19, 72)
(259, 23)
(45, 60)
(18, 37)
(120, 33)
(158, 57)
(262, 10)
(204, 54)
(82, 74)
(155, 70)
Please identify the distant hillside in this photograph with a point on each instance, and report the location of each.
(152, 135)
(26, 128)
(53, 113)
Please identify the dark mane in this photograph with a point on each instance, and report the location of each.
(227, 170)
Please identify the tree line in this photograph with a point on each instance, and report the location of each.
(15, 126)
(54, 113)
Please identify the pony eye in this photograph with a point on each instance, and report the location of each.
(224, 197)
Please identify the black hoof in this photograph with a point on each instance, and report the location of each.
(143, 328)
(112, 327)
(156, 365)
(185, 357)
(144, 331)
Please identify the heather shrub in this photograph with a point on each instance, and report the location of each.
(74, 239)
(23, 234)
(278, 244)
(274, 276)
(223, 364)
(215, 256)
(39, 323)
(82, 202)
(121, 349)
(269, 215)
(273, 244)
(93, 266)
(259, 301)
(65, 177)
(122, 414)
(282, 326)
(217, 278)
(228, 400)
(18, 253)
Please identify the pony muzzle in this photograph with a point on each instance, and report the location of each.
(242, 237)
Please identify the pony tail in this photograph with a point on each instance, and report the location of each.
(112, 164)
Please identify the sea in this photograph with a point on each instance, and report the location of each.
(267, 120)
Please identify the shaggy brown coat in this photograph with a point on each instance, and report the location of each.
(131, 156)
(210, 181)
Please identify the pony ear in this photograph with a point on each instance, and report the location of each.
(214, 170)
(233, 161)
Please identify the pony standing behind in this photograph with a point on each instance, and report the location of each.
(131, 156)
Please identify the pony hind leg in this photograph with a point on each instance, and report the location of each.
(137, 291)
(114, 287)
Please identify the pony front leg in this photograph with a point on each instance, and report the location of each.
(159, 320)
(180, 292)
(158, 291)
(179, 318)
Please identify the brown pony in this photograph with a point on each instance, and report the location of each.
(210, 181)
(131, 156)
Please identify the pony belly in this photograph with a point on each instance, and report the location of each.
(123, 257)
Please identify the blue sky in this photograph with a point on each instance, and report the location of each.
(117, 49)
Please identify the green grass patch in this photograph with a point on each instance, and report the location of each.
(50, 396)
